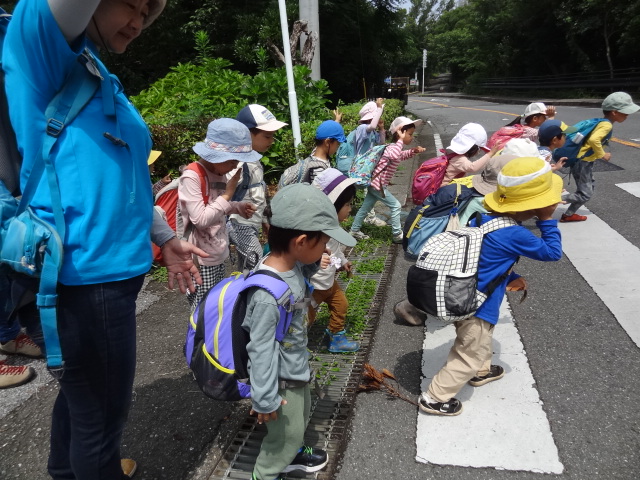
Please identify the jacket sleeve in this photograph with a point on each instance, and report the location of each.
(595, 140)
(264, 351)
(547, 247)
(192, 203)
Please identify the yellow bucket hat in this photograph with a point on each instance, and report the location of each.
(525, 183)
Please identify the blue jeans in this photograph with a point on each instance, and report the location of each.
(97, 327)
(582, 172)
(12, 284)
(370, 200)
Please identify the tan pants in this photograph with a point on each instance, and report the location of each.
(470, 356)
(337, 302)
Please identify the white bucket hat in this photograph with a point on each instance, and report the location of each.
(468, 136)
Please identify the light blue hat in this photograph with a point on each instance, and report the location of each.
(227, 139)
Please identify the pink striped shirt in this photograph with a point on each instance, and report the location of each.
(388, 164)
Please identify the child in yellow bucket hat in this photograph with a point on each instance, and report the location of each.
(527, 188)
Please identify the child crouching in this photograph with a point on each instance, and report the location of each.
(341, 191)
(527, 188)
(302, 220)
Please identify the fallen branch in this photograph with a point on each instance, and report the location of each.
(373, 379)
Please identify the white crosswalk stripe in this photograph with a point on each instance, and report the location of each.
(502, 424)
(633, 188)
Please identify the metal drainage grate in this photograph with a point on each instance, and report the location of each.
(339, 375)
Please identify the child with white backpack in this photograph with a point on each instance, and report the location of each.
(527, 188)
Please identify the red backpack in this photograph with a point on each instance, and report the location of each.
(504, 134)
(166, 202)
(429, 177)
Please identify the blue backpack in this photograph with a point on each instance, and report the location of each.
(432, 217)
(576, 140)
(29, 245)
(364, 165)
(216, 343)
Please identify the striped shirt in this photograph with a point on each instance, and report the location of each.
(388, 164)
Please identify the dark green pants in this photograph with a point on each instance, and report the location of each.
(285, 435)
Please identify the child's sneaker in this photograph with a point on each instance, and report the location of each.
(15, 375)
(21, 345)
(398, 238)
(308, 459)
(451, 408)
(372, 219)
(339, 343)
(358, 235)
(496, 372)
(573, 218)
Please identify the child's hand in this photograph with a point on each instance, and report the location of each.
(496, 148)
(325, 261)
(417, 150)
(546, 212)
(347, 267)
(248, 210)
(233, 183)
(517, 285)
(267, 417)
(381, 124)
(607, 156)
(337, 115)
(379, 102)
(559, 164)
(551, 112)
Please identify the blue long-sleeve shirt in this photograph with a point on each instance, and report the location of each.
(501, 248)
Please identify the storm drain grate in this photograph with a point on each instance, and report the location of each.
(338, 375)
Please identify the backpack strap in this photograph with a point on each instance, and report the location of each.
(279, 289)
(492, 226)
(242, 188)
(204, 179)
(77, 91)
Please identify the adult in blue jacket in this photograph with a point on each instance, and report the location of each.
(101, 163)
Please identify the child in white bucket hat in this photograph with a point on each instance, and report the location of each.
(469, 140)
(527, 188)
(227, 143)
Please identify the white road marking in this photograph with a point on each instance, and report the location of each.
(502, 424)
(438, 142)
(633, 188)
(609, 263)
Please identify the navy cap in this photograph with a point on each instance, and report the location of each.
(330, 129)
(552, 128)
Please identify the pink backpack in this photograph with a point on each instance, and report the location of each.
(504, 134)
(429, 176)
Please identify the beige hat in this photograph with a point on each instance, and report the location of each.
(534, 109)
(486, 181)
(521, 147)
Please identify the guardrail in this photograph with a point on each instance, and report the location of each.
(628, 78)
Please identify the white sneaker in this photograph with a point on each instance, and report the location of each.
(357, 234)
(372, 219)
(397, 238)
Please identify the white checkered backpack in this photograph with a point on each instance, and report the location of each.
(444, 280)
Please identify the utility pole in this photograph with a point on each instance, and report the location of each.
(293, 99)
(424, 65)
(308, 10)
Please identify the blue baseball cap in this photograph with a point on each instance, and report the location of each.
(552, 128)
(330, 129)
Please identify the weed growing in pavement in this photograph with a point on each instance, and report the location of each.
(159, 274)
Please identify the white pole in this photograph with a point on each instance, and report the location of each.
(293, 99)
(424, 64)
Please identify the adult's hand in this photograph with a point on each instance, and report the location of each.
(177, 256)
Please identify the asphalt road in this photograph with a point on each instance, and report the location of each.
(584, 364)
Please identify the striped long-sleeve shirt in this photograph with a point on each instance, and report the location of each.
(388, 164)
